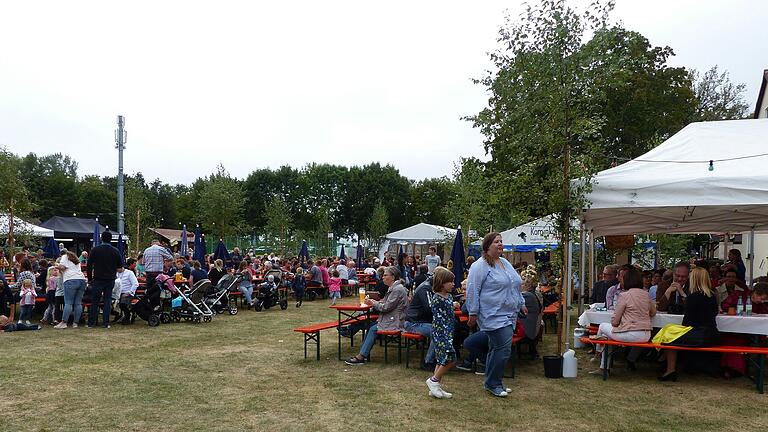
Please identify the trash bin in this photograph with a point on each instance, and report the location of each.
(553, 366)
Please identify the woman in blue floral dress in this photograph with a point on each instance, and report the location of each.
(443, 322)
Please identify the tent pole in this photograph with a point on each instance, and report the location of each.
(592, 272)
(751, 255)
(582, 266)
(568, 280)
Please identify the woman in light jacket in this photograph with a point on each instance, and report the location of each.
(391, 310)
(631, 321)
(494, 301)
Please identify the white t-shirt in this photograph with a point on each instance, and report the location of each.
(432, 263)
(73, 270)
(343, 272)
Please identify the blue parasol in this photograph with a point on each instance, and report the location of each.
(96, 234)
(184, 242)
(360, 256)
(205, 248)
(199, 247)
(457, 256)
(51, 249)
(304, 252)
(222, 253)
(121, 247)
(342, 255)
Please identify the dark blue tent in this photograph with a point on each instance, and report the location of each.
(184, 242)
(121, 247)
(360, 256)
(96, 234)
(51, 249)
(458, 258)
(304, 252)
(343, 255)
(199, 247)
(222, 253)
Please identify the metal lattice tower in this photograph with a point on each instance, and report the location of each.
(121, 137)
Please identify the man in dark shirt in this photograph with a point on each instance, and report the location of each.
(418, 316)
(601, 287)
(102, 266)
(422, 276)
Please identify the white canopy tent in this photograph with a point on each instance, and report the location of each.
(708, 178)
(22, 227)
(671, 189)
(422, 232)
(535, 235)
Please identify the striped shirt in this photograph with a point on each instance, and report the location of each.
(154, 257)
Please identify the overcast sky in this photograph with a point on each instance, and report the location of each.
(263, 84)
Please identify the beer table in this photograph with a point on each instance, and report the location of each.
(350, 314)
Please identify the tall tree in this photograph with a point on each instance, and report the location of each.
(717, 97)
(279, 225)
(428, 197)
(471, 198)
(378, 226)
(220, 204)
(14, 197)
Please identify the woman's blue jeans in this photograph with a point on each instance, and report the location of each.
(499, 350)
(370, 340)
(247, 293)
(73, 299)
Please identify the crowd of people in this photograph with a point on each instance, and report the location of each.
(699, 291)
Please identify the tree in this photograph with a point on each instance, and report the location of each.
(717, 97)
(279, 224)
(378, 226)
(542, 124)
(471, 196)
(428, 197)
(139, 214)
(322, 228)
(220, 204)
(14, 197)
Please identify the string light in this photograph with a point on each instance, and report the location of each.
(711, 166)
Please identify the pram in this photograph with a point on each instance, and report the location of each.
(218, 298)
(147, 307)
(269, 296)
(189, 304)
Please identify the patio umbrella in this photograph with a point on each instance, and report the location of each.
(360, 256)
(222, 253)
(458, 258)
(342, 255)
(96, 234)
(184, 242)
(304, 252)
(199, 254)
(121, 247)
(51, 249)
(203, 247)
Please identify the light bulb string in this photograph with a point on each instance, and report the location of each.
(707, 161)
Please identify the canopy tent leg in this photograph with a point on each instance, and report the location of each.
(568, 289)
(582, 266)
(751, 255)
(592, 273)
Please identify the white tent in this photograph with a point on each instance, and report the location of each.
(529, 237)
(672, 189)
(22, 227)
(422, 232)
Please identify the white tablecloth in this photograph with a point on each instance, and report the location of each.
(755, 324)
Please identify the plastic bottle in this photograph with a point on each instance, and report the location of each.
(570, 364)
(748, 307)
(740, 307)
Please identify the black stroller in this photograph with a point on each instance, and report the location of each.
(269, 296)
(147, 307)
(218, 297)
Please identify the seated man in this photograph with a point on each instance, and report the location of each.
(418, 317)
(730, 283)
(672, 300)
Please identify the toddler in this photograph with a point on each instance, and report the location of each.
(27, 301)
(334, 287)
(298, 285)
(50, 295)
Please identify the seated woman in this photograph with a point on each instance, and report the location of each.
(631, 321)
(534, 302)
(391, 310)
(246, 284)
(197, 274)
(699, 326)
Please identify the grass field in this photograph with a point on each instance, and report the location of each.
(247, 372)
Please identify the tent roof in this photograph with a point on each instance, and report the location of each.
(71, 225)
(670, 189)
(23, 226)
(422, 232)
(529, 237)
(173, 235)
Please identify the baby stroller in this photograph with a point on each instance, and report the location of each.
(269, 296)
(189, 304)
(218, 299)
(147, 307)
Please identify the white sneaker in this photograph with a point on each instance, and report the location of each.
(61, 325)
(29, 323)
(74, 325)
(446, 395)
(434, 389)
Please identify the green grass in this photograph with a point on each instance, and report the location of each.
(247, 372)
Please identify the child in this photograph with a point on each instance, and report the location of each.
(443, 322)
(50, 295)
(27, 301)
(298, 285)
(334, 287)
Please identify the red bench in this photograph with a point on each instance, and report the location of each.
(390, 336)
(312, 333)
(760, 352)
(415, 340)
